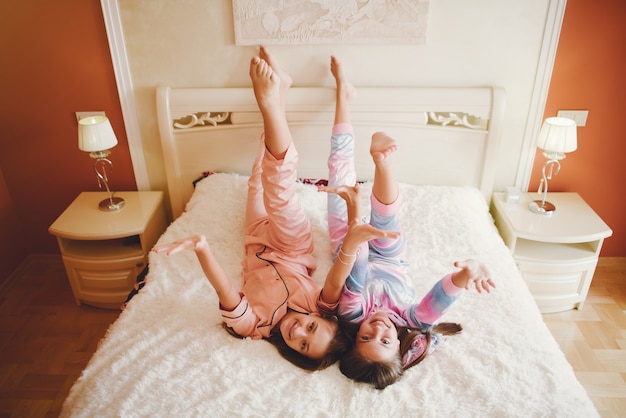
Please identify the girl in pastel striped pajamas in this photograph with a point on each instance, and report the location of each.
(394, 327)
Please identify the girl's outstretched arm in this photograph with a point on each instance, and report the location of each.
(358, 233)
(446, 291)
(227, 294)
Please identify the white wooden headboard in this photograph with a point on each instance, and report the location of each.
(446, 136)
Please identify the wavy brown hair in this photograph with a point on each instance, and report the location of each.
(381, 374)
(337, 347)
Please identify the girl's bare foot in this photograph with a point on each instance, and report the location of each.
(344, 87)
(265, 83)
(285, 79)
(382, 146)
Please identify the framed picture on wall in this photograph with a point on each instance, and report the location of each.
(297, 22)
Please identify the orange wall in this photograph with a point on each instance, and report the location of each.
(589, 74)
(13, 244)
(55, 61)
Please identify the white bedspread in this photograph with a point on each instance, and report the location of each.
(167, 355)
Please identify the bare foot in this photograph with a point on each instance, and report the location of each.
(344, 87)
(382, 146)
(285, 79)
(265, 83)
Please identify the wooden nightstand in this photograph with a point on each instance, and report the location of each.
(103, 252)
(556, 254)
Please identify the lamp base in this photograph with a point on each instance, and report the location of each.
(546, 209)
(112, 204)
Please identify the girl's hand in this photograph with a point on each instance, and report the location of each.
(191, 243)
(473, 273)
(359, 232)
(348, 193)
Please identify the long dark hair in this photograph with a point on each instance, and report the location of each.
(337, 347)
(383, 373)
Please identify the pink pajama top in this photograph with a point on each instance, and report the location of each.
(279, 250)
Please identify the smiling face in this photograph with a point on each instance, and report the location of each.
(377, 339)
(309, 335)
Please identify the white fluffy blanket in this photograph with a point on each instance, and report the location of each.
(167, 354)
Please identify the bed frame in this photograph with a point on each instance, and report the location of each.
(217, 129)
(167, 353)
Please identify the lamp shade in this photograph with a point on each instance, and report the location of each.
(558, 135)
(95, 134)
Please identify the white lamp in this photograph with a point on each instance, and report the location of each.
(557, 136)
(96, 136)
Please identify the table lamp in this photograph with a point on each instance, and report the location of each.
(96, 136)
(557, 136)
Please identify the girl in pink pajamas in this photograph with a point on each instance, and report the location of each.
(279, 301)
(394, 326)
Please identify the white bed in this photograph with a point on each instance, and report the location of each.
(167, 354)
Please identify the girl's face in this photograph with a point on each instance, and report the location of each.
(309, 335)
(377, 339)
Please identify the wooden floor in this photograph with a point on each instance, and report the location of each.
(46, 340)
(594, 338)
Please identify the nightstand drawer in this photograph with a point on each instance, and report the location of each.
(103, 283)
(557, 286)
(564, 283)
